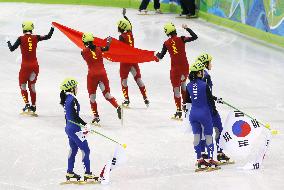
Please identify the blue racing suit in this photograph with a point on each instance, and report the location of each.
(199, 94)
(75, 134)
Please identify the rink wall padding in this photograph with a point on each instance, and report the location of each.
(244, 29)
(266, 25)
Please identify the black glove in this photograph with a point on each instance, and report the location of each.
(124, 11)
(219, 101)
(109, 39)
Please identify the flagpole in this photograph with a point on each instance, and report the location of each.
(94, 131)
(267, 126)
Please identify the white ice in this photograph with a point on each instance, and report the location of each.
(33, 154)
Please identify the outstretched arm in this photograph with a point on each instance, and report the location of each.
(192, 34)
(124, 15)
(46, 37)
(163, 52)
(15, 46)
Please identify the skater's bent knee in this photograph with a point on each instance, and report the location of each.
(108, 96)
(209, 139)
(196, 139)
(93, 98)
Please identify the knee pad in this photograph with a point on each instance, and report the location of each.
(183, 86)
(140, 82)
(124, 82)
(32, 88)
(93, 98)
(196, 139)
(176, 92)
(217, 133)
(102, 86)
(32, 76)
(133, 71)
(108, 96)
(23, 86)
(208, 139)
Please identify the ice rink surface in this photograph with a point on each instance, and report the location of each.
(33, 153)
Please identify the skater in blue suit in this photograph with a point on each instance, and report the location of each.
(76, 135)
(200, 96)
(216, 119)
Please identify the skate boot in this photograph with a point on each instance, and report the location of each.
(143, 11)
(27, 108)
(90, 176)
(146, 101)
(201, 165)
(158, 11)
(118, 109)
(224, 159)
(72, 175)
(204, 155)
(96, 121)
(126, 103)
(33, 108)
(178, 115)
(214, 165)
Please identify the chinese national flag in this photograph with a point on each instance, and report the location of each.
(118, 52)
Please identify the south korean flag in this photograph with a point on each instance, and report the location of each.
(244, 140)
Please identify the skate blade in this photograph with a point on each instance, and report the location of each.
(227, 163)
(124, 106)
(177, 119)
(187, 17)
(80, 182)
(32, 114)
(200, 169)
(96, 124)
(210, 169)
(70, 182)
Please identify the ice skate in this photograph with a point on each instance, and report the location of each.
(126, 103)
(90, 176)
(214, 165)
(29, 110)
(96, 121)
(177, 115)
(158, 11)
(119, 112)
(26, 108)
(147, 102)
(72, 175)
(224, 159)
(143, 12)
(204, 155)
(201, 165)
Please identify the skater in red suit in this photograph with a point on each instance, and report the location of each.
(97, 75)
(125, 28)
(29, 67)
(179, 65)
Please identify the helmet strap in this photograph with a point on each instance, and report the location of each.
(27, 31)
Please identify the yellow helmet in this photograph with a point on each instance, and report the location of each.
(68, 83)
(124, 24)
(87, 37)
(169, 27)
(205, 57)
(28, 25)
(197, 66)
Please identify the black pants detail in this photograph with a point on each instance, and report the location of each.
(145, 3)
(188, 7)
